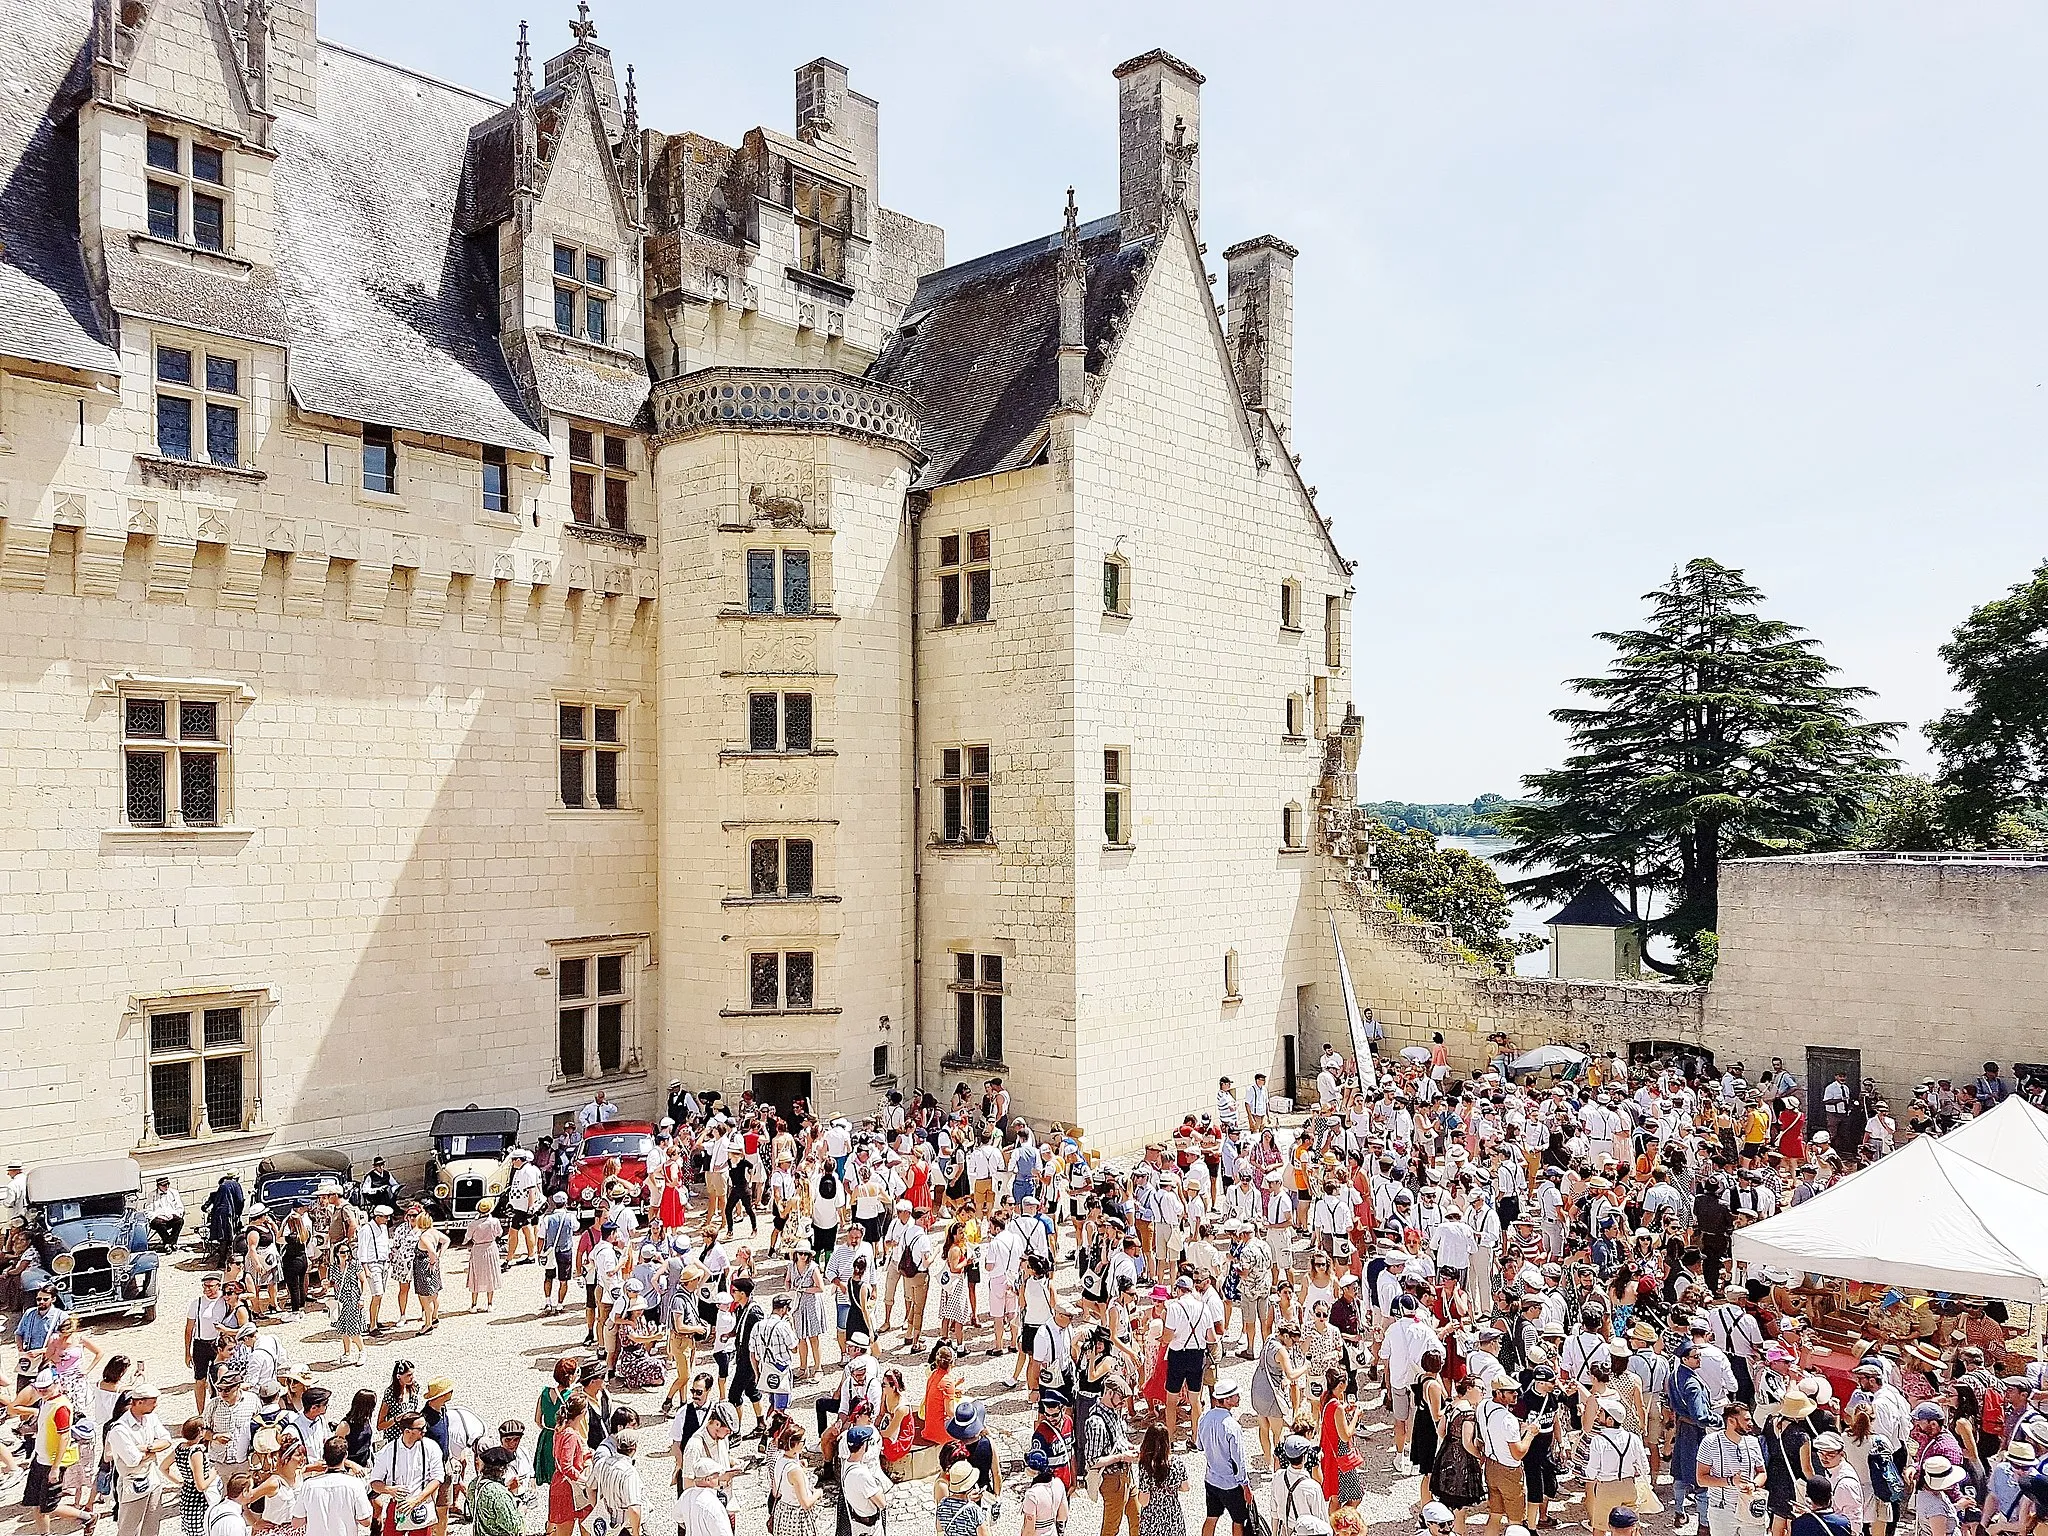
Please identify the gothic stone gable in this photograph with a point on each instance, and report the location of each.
(581, 197)
(182, 61)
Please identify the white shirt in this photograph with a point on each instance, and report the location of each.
(1615, 1455)
(1453, 1243)
(333, 1504)
(205, 1316)
(1255, 1099)
(166, 1206)
(129, 1442)
(616, 1487)
(1406, 1343)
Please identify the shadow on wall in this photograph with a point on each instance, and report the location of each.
(405, 870)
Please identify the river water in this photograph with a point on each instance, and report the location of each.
(1524, 918)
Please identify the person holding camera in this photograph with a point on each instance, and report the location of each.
(1731, 1469)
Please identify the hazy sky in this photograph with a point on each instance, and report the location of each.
(1584, 290)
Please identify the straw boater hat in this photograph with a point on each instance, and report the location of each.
(1940, 1474)
(1795, 1404)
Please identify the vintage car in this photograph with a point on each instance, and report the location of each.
(629, 1141)
(472, 1159)
(286, 1181)
(91, 1242)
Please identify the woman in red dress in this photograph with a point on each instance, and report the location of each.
(674, 1217)
(572, 1456)
(1791, 1130)
(1343, 1467)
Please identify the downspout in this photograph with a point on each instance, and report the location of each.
(914, 505)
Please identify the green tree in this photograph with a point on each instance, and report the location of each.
(1451, 887)
(1994, 746)
(1906, 813)
(1715, 734)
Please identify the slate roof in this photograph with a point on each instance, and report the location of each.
(979, 347)
(392, 310)
(46, 300)
(1594, 907)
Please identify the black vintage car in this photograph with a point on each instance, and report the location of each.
(91, 1243)
(471, 1161)
(285, 1181)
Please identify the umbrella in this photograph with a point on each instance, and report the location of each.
(1545, 1056)
(1415, 1053)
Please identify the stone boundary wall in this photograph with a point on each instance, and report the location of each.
(1418, 982)
(1929, 966)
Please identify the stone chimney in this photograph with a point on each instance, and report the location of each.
(827, 108)
(293, 55)
(1261, 324)
(1159, 130)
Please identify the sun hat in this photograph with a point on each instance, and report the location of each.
(1225, 1391)
(1940, 1474)
(969, 1420)
(1795, 1404)
(960, 1477)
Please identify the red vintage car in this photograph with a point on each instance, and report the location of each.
(627, 1140)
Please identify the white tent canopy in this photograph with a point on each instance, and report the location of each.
(1927, 1218)
(2011, 1139)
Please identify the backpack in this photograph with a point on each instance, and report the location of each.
(1457, 1478)
(1886, 1485)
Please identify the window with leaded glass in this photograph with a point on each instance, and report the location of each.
(202, 1068)
(186, 190)
(583, 293)
(964, 795)
(593, 1013)
(778, 981)
(600, 484)
(978, 992)
(778, 866)
(778, 722)
(965, 577)
(590, 755)
(174, 754)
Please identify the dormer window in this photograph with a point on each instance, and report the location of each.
(187, 191)
(583, 294)
(824, 218)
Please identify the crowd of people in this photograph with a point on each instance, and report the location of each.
(1519, 1294)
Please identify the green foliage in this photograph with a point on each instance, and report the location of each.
(1474, 820)
(1994, 746)
(1714, 734)
(1697, 958)
(1451, 887)
(1905, 813)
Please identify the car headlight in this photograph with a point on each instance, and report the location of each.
(442, 1191)
(122, 1258)
(63, 1264)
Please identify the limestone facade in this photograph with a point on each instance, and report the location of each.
(608, 607)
